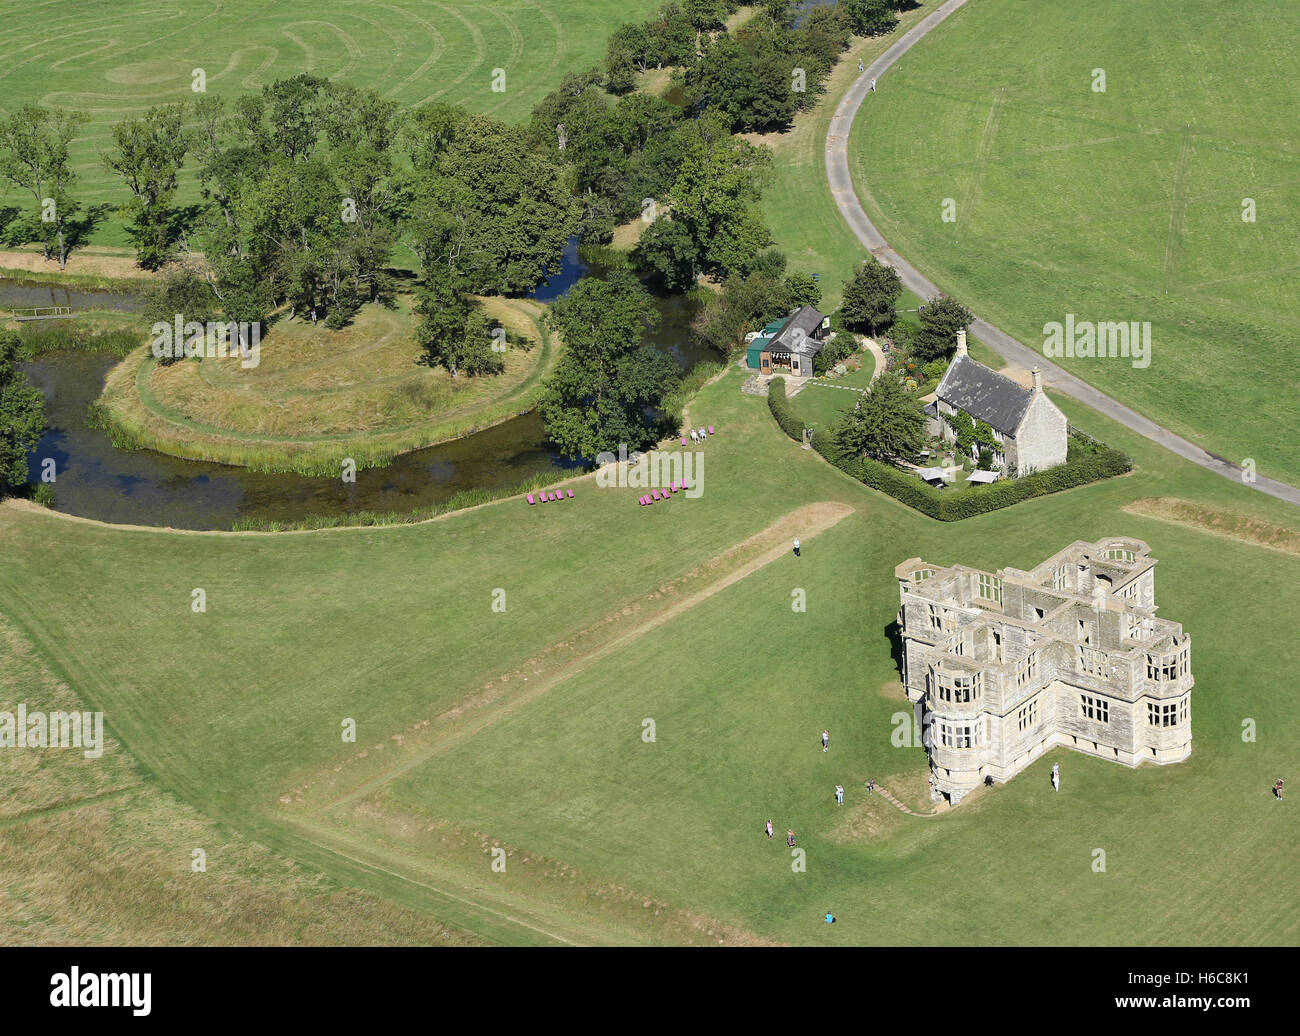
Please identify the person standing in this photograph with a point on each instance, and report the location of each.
(1277, 789)
(839, 794)
(826, 740)
(789, 838)
(796, 546)
(873, 86)
(859, 66)
(313, 316)
(871, 786)
(1056, 776)
(769, 829)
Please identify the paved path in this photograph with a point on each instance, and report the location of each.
(841, 184)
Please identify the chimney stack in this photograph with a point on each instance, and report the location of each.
(1038, 380)
(961, 342)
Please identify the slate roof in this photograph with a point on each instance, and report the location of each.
(984, 394)
(806, 319)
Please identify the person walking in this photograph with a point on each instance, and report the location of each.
(313, 316)
(789, 838)
(873, 86)
(826, 740)
(769, 829)
(839, 794)
(871, 786)
(796, 546)
(859, 66)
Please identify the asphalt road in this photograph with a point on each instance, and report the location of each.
(1013, 351)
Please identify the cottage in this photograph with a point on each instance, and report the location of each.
(789, 346)
(1005, 665)
(1029, 432)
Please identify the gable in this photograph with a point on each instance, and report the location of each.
(984, 394)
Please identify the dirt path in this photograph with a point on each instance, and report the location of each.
(898, 805)
(81, 263)
(501, 696)
(1013, 351)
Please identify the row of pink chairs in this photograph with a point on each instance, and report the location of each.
(547, 497)
(660, 494)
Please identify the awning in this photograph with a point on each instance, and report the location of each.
(930, 474)
(982, 476)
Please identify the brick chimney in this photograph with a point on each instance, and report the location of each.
(961, 342)
(1038, 380)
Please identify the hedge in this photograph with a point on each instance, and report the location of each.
(1089, 461)
(790, 423)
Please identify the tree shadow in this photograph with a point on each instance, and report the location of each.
(7, 215)
(182, 222)
(77, 231)
(894, 633)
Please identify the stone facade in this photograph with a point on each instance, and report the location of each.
(1004, 666)
(1031, 432)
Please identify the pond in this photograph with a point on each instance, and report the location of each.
(96, 480)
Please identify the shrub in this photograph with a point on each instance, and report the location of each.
(43, 495)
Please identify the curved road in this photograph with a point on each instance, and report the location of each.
(1014, 352)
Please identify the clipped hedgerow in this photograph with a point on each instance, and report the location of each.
(1089, 461)
(786, 418)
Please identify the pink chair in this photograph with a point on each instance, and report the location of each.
(710, 429)
(530, 499)
(683, 440)
(674, 487)
(570, 494)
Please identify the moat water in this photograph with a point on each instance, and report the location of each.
(94, 479)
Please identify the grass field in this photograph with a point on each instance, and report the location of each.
(797, 203)
(115, 60)
(1122, 205)
(522, 729)
(317, 396)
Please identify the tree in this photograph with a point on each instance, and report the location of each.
(608, 380)
(715, 197)
(34, 156)
(870, 296)
(940, 320)
(150, 152)
(22, 414)
(804, 291)
(182, 291)
(746, 304)
(668, 251)
(705, 15)
(515, 207)
(886, 423)
(748, 78)
(625, 56)
(454, 333)
(870, 17)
